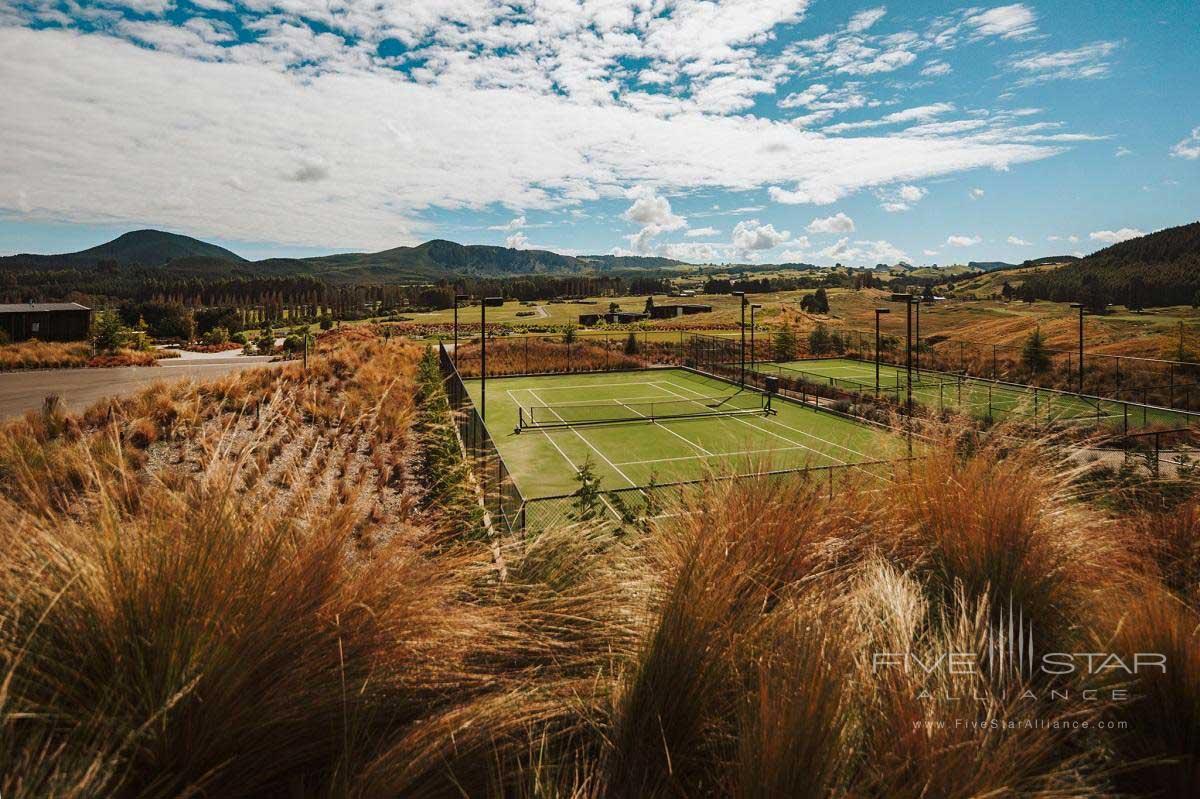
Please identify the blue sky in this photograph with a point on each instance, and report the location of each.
(757, 130)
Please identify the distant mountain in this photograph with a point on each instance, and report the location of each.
(989, 266)
(433, 260)
(144, 247)
(1161, 268)
(1050, 259)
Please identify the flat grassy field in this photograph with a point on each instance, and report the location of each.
(978, 398)
(545, 461)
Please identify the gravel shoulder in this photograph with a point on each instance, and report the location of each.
(26, 390)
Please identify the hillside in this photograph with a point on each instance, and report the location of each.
(990, 266)
(1158, 269)
(144, 247)
(433, 260)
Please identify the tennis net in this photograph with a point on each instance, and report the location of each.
(580, 413)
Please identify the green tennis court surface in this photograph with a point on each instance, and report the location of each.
(544, 460)
(979, 398)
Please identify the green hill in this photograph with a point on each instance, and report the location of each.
(144, 247)
(1159, 269)
(434, 260)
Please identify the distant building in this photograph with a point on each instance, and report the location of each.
(616, 318)
(46, 321)
(671, 311)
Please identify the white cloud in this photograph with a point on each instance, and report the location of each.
(936, 68)
(651, 210)
(1081, 63)
(702, 232)
(691, 251)
(838, 223)
(900, 199)
(975, 194)
(1188, 148)
(930, 253)
(922, 113)
(889, 61)
(1114, 236)
(1018, 242)
(513, 224)
(374, 145)
(1008, 22)
(749, 236)
(823, 100)
(865, 253)
(963, 241)
(1124, 151)
(856, 253)
(865, 19)
(517, 241)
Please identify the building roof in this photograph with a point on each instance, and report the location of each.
(41, 307)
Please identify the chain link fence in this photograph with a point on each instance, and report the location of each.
(501, 497)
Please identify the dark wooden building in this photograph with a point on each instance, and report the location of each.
(46, 321)
(684, 309)
(612, 318)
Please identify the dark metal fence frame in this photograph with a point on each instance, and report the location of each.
(716, 357)
(1035, 392)
(501, 497)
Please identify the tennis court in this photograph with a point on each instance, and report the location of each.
(979, 398)
(661, 426)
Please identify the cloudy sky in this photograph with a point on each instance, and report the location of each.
(747, 130)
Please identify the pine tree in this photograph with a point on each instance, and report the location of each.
(818, 340)
(785, 345)
(587, 496)
(1034, 355)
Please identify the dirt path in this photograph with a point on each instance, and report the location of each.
(80, 388)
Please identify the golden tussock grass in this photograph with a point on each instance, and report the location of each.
(263, 586)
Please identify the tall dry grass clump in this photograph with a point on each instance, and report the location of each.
(532, 355)
(281, 583)
(36, 354)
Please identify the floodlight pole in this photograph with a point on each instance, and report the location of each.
(908, 360)
(878, 312)
(483, 355)
(1079, 305)
(457, 299)
(917, 302)
(753, 352)
(742, 295)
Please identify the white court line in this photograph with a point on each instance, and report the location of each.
(717, 455)
(585, 385)
(797, 431)
(756, 427)
(571, 463)
(584, 440)
(664, 427)
(647, 398)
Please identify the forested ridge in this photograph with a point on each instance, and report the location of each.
(184, 256)
(1162, 268)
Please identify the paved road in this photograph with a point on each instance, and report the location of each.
(80, 388)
